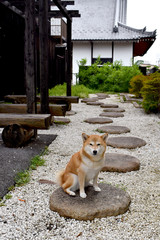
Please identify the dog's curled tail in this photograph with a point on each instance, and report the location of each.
(59, 176)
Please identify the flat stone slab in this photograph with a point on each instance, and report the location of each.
(70, 113)
(115, 162)
(105, 105)
(85, 100)
(94, 103)
(113, 110)
(125, 142)
(113, 129)
(58, 120)
(111, 114)
(111, 201)
(98, 120)
(102, 95)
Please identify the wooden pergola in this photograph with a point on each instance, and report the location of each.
(37, 14)
(44, 14)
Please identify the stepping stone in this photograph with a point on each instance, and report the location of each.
(102, 95)
(125, 142)
(113, 129)
(85, 100)
(98, 120)
(70, 113)
(58, 120)
(109, 105)
(111, 114)
(113, 110)
(94, 103)
(111, 201)
(120, 163)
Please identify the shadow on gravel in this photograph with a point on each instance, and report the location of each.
(14, 160)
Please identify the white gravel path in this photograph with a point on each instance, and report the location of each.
(33, 219)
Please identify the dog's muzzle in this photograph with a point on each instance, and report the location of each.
(94, 152)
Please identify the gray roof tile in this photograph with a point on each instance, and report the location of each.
(98, 19)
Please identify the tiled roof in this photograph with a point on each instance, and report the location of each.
(101, 18)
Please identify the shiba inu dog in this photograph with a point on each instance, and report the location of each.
(84, 166)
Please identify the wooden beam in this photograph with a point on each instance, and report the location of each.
(29, 56)
(59, 14)
(62, 9)
(52, 99)
(54, 109)
(38, 121)
(44, 52)
(69, 57)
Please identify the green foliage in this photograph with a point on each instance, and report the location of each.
(151, 93)
(107, 77)
(77, 90)
(58, 90)
(22, 178)
(136, 84)
(36, 161)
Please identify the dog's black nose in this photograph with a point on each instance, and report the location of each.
(94, 152)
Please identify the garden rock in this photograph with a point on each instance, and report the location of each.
(113, 110)
(111, 201)
(115, 162)
(60, 120)
(85, 100)
(113, 129)
(109, 105)
(125, 142)
(94, 103)
(102, 95)
(98, 120)
(111, 114)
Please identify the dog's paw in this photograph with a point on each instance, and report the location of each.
(83, 195)
(71, 193)
(97, 189)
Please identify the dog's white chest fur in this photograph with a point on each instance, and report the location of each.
(90, 168)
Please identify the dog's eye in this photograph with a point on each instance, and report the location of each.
(91, 144)
(98, 144)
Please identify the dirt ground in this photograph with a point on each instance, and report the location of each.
(14, 160)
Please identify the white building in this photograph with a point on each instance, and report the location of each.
(102, 31)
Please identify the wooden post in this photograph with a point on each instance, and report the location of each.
(69, 57)
(29, 55)
(43, 45)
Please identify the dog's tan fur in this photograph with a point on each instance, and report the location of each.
(84, 165)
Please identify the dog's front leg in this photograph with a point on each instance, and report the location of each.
(81, 177)
(95, 184)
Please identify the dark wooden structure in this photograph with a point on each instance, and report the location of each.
(38, 66)
(28, 62)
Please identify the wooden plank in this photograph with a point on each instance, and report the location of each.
(44, 53)
(69, 57)
(52, 99)
(54, 109)
(30, 55)
(37, 121)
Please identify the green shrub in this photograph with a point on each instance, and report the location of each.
(107, 77)
(77, 90)
(151, 94)
(136, 84)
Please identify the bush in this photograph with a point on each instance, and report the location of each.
(151, 93)
(107, 77)
(136, 84)
(77, 90)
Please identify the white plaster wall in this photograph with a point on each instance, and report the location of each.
(80, 50)
(102, 49)
(124, 52)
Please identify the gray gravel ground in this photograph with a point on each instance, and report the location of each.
(32, 218)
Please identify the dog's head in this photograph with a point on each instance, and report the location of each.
(94, 145)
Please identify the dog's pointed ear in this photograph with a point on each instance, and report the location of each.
(104, 137)
(84, 137)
